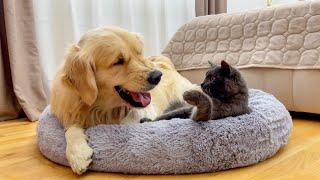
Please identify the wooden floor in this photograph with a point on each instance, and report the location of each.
(21, 159)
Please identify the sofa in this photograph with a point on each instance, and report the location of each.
(277, 49)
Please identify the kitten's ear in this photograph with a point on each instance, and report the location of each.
(211, 64)
(225, 67)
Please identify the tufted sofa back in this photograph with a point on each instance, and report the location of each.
(286, 36)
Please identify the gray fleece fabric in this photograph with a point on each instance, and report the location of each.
(179, 146)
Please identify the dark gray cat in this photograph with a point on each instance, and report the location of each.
(224, 93)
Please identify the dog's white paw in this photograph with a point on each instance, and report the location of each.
(79, 157)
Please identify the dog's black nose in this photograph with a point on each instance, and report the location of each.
(154, 77)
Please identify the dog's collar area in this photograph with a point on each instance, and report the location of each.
(135, 99)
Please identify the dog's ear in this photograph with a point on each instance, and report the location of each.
(79, 72)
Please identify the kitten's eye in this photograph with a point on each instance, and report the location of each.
(119, 62)
(211, 77)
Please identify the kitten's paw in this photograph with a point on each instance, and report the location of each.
(79, 157)
(193, 97)
(143, 120)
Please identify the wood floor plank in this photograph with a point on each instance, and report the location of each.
(21, 159)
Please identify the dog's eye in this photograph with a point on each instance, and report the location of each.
(119, 62)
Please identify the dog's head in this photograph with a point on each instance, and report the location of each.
(110, 62)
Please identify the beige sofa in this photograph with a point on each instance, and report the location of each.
(277, 49)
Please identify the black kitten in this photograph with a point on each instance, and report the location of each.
(224, 93)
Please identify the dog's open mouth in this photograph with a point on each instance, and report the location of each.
(136, 99)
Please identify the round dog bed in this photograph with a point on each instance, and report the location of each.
(179, 146)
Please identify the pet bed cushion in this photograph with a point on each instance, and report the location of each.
(178, 146)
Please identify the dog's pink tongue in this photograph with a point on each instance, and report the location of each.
(143, 97)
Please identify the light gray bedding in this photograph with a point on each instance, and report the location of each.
(179, 146)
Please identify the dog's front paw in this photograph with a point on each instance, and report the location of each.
(79, 157)
(192, 97)
(143, 120)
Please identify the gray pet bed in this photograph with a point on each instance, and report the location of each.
(179, 146)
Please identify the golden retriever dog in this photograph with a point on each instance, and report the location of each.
(106, 79)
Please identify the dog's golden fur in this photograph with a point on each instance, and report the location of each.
(83, 91)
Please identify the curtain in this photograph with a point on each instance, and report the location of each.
(207, 7)
(20, 72)
(61, 22)
(9, 109)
